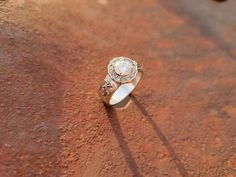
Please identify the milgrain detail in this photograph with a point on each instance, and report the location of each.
(108, 87)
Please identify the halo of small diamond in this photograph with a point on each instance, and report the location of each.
(122, 78)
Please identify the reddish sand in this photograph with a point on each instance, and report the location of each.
(181, 120)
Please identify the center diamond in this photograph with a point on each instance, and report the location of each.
(123, 68)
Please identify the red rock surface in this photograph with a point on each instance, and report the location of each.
(181, 120)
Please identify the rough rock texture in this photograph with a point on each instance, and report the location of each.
(181, 120)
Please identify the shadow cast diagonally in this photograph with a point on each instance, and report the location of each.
(112, 117)
(161, 136)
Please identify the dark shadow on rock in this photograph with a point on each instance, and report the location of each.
(162, 137)
(112, 117)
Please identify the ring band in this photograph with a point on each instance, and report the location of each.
(123, 76)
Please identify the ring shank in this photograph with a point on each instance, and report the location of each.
(113, 93)
(124, 90)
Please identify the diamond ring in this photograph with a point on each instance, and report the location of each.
(123, 76)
